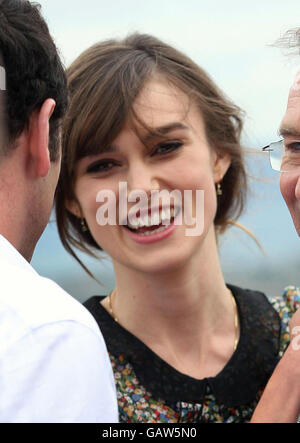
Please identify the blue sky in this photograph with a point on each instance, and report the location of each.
(232, 41)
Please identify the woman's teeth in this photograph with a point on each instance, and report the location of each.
(153, 231)
(163, 217)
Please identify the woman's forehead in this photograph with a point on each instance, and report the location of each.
(159, 108)
(160, 99)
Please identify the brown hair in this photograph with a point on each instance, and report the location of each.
(103, 84)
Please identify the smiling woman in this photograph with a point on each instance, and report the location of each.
(184, 345)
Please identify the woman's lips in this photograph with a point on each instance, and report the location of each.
(155, 237)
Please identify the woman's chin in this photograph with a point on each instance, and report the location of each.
(158, 264)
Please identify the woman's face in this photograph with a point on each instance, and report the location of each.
(180, 160)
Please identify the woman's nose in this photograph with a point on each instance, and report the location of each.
(141, 177)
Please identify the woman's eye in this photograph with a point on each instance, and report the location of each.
(167, 147)
(102, 166)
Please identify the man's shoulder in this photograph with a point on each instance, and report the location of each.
(49, 342)
(33, 301)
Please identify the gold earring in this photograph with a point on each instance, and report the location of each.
(219, 189)
(84, 227)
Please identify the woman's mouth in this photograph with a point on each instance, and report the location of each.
(146, 230)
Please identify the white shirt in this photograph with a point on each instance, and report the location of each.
(54, 365)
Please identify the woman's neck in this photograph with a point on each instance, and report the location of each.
(180, 309)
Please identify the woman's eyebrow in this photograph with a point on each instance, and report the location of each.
(164, 130)
(109, 149)
(155, 132)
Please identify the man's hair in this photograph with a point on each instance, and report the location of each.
(34, 71)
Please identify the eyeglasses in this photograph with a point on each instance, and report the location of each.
(283, 158)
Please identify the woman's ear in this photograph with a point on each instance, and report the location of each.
(74, 207)
(222, 162)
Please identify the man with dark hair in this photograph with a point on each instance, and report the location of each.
(281, 399)
(54, 366)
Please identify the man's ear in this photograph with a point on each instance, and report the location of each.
(38, 138)
(222, 162)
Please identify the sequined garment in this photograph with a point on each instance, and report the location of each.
(151, 391)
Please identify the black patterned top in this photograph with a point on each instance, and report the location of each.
(150, 390)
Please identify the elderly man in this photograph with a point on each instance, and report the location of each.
(281, 399)
(54, 366)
